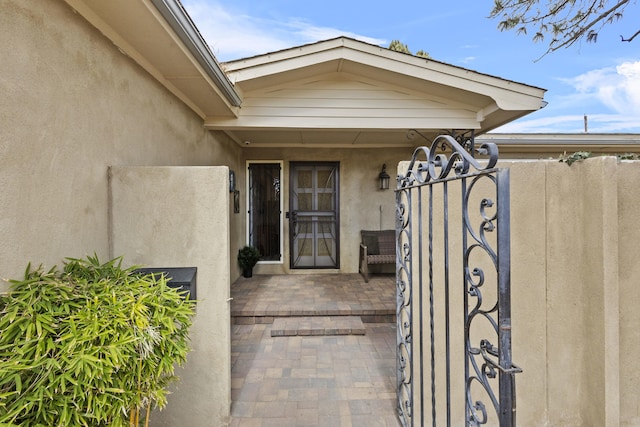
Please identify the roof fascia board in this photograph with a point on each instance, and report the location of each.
(435, 65)
(606, 139)
(559, 143)
(507, 94)
(180, 22)
(283, 55)
(487, 111)
(266, 69)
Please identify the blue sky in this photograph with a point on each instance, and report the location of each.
(601, 80)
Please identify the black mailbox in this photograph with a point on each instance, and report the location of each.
(181, 278)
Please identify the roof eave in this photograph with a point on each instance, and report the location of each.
(269, 63)
(179, 21)
(507, 95)
(161, 38)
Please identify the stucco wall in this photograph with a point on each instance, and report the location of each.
(72, 105)
(574, 244)
(629, 291)
(178, 217)
(362, 204)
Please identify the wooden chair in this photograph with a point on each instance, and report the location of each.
(376, 247)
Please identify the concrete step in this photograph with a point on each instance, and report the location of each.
(317, 325)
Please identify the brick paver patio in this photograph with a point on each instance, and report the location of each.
(312, 380)
(333, 381)
(262, 298)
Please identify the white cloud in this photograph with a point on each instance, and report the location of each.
(233, 35)
(610, 97)
(618, 88)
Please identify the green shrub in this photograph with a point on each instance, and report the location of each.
(91, 345)
(575, 157)
(248, 257)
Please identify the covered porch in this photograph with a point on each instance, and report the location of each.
(317, 125)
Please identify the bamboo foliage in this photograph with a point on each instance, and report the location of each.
(91, 345)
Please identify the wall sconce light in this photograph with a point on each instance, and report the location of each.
(384, 178)
(232, 181)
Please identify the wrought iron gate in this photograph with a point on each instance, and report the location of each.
(453, 288)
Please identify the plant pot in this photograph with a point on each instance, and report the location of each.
(248, 257)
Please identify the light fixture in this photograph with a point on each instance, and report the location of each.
(384, 178)
(232, 181)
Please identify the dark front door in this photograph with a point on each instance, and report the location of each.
(265, 210)
(313, 216)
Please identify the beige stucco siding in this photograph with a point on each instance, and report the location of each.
(179, 217)
(528, 290)
(72, 104)
(628, 273)
(363, 206)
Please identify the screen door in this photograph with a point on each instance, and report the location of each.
(313, 216)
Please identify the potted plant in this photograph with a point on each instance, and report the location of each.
(248, 257)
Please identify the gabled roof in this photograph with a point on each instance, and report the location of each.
(339, 92)
(344, 92)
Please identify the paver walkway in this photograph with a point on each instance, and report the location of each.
(262, 298)
(333, 381)
(313, 380)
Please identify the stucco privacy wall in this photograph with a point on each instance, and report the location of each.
(628, 274)
(72, 104)
(362, 204)
(178, 217)
(574, 245)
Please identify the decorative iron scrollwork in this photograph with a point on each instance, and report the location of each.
(485, 232)
(438, 165)
(403, 310)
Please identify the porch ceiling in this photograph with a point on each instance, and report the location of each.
(343, 92)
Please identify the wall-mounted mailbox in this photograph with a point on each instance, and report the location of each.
(181, 278)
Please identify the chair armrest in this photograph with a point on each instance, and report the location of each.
(363, 251)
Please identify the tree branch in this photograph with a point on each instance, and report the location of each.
(630, 38)
(578, 34)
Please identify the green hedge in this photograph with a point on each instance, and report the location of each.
(91, 345)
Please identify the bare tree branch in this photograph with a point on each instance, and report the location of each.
(564, 21)
(575, 37)
(630, 38)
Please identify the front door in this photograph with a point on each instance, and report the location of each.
(313, 216)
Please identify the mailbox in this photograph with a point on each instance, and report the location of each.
(181, 278)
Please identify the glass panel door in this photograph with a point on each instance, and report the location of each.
(313, 219)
